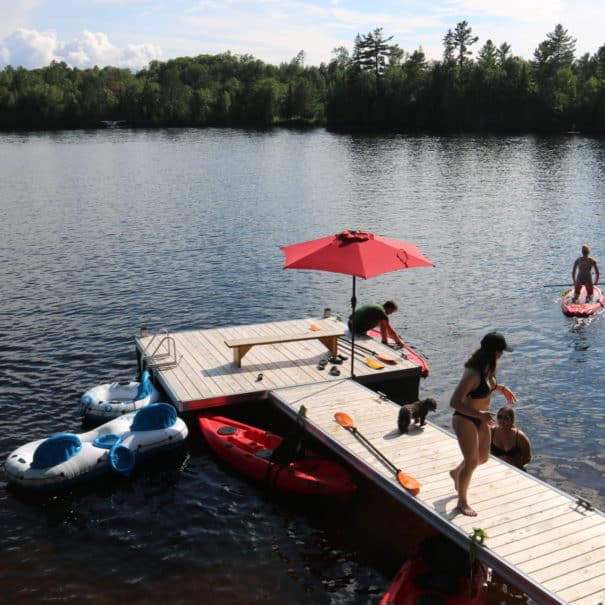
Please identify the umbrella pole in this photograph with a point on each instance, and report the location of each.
(353, 304)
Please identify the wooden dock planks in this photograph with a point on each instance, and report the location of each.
(538, 538)
(205, 373)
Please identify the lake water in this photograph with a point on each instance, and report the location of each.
(104, 231)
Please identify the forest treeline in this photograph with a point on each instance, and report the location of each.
(375, 87)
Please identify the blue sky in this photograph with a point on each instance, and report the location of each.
(130, 33)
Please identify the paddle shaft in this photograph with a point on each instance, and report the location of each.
(558, 285)
(358, 346)
(365, 349)
(371, 447)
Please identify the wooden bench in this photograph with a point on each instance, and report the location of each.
(241, 346)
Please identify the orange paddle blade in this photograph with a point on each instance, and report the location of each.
(344, 420)
(407, 481)
(386, 358)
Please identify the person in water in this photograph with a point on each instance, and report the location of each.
(371, 316)
(472, 418)
(581, 274)
(508, 442)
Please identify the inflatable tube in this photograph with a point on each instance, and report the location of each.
(107, 401)
(121, 458)
(67, 458)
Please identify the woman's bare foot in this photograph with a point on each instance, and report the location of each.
(454, 476)
(465, 509)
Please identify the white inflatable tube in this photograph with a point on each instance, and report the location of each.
(116, 445)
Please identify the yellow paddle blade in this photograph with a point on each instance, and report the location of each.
(372, 363)
(407, 481)
(344, 420)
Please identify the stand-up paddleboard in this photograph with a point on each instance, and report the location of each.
(409, 353)
(584, 306)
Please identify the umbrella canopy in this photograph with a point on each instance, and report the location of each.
(355, 253)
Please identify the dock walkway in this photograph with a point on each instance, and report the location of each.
(539, 539)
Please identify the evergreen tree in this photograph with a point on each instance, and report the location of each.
(372, 50)
(463, 40)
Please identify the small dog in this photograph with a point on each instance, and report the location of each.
(417, 411)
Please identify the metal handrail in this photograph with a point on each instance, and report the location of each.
(171, 353)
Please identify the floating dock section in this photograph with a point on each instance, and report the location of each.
(204, 368)
(547, 543)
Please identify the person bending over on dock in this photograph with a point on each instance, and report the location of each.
(508, 442)
(581, 274)
(472, 417)
(373, 316)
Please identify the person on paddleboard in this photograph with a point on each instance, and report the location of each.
(472, 419)
(581, 274)
(373, 316)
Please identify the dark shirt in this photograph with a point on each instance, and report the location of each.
(367, 317)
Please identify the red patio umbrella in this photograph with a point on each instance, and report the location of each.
(355, 253)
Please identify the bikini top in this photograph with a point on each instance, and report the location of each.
(482, 391)
(514, 451)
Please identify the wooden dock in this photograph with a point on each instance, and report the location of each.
(540, 539)
(197, 368)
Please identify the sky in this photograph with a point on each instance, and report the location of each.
(131, 33)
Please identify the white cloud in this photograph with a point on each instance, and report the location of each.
(31, 49)
(28, 48)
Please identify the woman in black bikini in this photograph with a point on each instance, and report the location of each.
(508, 442)
(472, 418)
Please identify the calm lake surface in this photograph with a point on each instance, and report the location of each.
(104, 231)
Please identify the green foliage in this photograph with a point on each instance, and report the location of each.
(377, 87)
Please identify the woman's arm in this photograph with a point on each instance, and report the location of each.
(508, 394)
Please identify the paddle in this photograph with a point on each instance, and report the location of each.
(380, 356)
(557, 285)
(406, 481)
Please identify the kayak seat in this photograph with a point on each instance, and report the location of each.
(264, 453)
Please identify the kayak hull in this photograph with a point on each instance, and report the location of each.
(410, 354)
(582, 308)
(248, 449)
(409, 586)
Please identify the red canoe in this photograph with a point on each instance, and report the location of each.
(410, 354)
(582, 308)
(249, 449)
(418, 582)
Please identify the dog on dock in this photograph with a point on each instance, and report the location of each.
(415, 411)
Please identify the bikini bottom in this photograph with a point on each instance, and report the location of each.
(476, 421)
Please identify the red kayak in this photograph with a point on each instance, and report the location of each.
(409, 353)
(250, 450)
(583, 307)
(423, 579)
